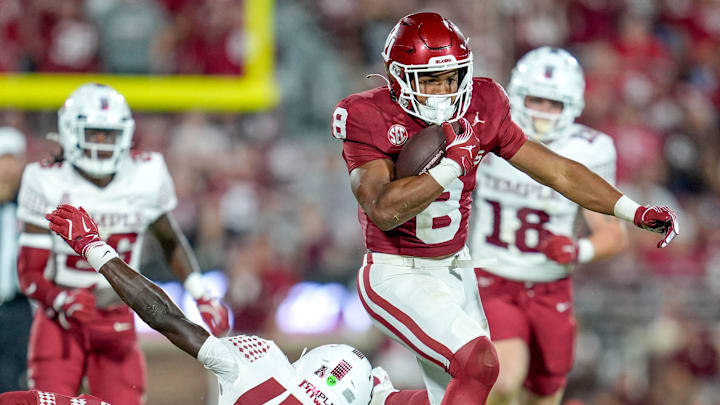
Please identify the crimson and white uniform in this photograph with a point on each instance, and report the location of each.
(526, 295)
(423, 302)
(254, 371)
(106, 349)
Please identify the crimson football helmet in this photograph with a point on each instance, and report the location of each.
(426, 43)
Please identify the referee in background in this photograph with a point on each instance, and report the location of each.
(15, 314)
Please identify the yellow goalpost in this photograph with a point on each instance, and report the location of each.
(254, 90)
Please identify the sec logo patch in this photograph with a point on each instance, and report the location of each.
(397, 135)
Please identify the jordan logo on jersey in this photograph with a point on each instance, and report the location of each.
(477, 120)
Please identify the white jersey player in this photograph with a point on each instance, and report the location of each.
(514, 212)
(84, 327)
(530, 229)
(250, 370)
(140, 192)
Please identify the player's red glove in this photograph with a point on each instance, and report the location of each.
(77, 305)
(559, 248)
(75, 226)
(658, 219)
(463, 148)
(80, 232)
(214, 314)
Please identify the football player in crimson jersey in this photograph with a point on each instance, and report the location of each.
(35, 397)
(250, 370)
(82, 327)
(417, 282)
(527, 294)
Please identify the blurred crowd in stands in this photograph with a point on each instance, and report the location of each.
(265, 196)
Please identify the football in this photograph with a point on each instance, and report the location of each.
(421, 152)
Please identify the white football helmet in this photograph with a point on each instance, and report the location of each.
(550, 73)
(340, 372)
(95, 107)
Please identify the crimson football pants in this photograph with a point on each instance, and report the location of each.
(105, 350)
(541, 315)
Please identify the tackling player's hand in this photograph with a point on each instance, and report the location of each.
(214, 314)
(463, 148)
(75, 226)
(658, 219)
(80, 232)
(560, 248)
(76, 305)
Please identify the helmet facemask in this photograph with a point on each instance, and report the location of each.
(101, 148)
(96, 130)
(548, 73)
(437, 108)
(541, 125)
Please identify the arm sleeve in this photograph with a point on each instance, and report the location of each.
(355, 122)
(510, 136)
(216, 357)
(32, 259)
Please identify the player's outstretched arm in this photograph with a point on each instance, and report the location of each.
(142, 295)
(183, 263)
(589, 190)
(566, 176)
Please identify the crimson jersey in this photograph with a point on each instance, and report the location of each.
(373, 126)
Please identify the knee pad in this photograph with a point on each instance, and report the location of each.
(476, 360)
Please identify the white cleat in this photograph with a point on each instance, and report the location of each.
(382, 387)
